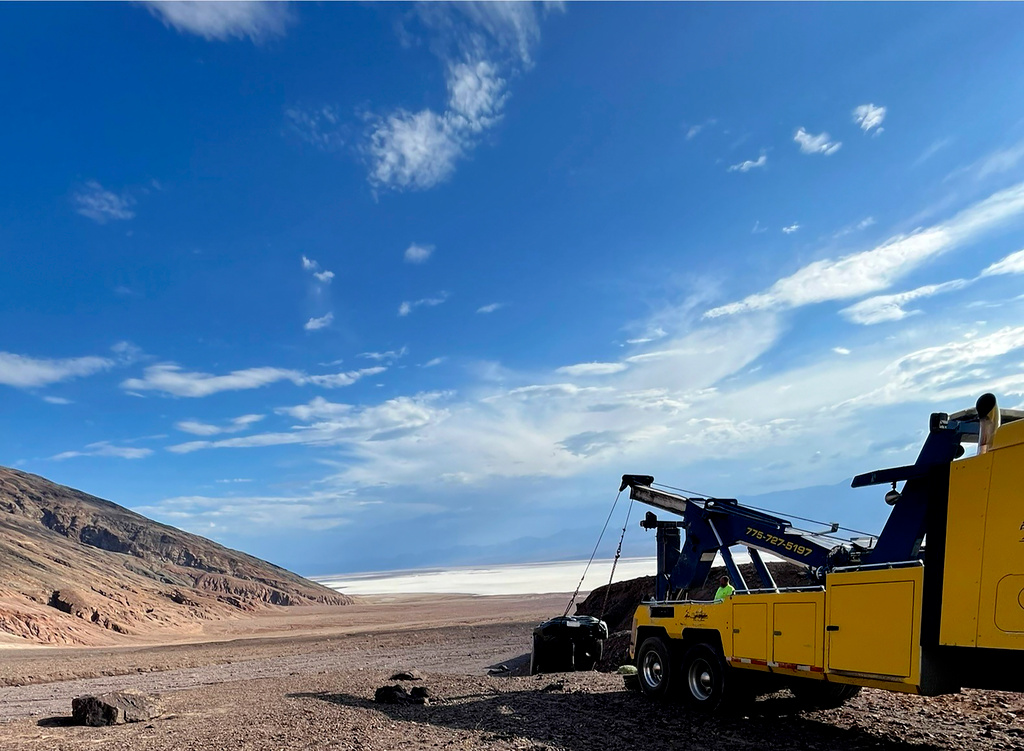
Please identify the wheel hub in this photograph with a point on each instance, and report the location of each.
(700, 680)
(652, 669)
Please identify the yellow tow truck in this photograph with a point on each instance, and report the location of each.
(933, 603)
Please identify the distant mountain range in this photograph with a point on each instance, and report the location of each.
(76, 569)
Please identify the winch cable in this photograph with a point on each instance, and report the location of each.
(596, 546)
(615, 562)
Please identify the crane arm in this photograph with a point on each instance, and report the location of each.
(712, 525)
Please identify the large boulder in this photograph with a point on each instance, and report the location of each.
(115, 708)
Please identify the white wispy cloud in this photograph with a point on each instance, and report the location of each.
(481, 46)
(749, 164)
(56, 400)
(315, 324)
(882, 308)
(418, 150)
(337, 380)
(408, 307)
(999, 162)
(321, 275)
(171, 379)
(841, 350)
(417, 253)
(235, 425)
(334, 423)
(791, 228)
(390, 356)
(851, 228)
(933, 148)
(490, 307)
(320, 127)
(954, 367)
(694, 130)
(592, 368)
(434, 362)
(758, 229)
(22, 371)
(651, 335)
(869, 271)
(256, 20)
(101, 205)
(868, 116)
(819, 144)
(105, 448)
(1011, 264)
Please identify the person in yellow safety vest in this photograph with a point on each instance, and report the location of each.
(724, 588)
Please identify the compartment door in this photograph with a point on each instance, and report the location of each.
(750, 630)
(870, 628)
(795, 638)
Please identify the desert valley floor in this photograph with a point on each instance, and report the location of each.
(306, 681)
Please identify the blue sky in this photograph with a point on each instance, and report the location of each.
(354, 287)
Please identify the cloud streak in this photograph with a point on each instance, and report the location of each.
(408, 307)
(873, 270)
(101, 205)
(172, 380)
(235, 425)
(25, 372)
(221, 21)
(749, 164)
(107, 449)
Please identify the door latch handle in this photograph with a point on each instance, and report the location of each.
(778, 633)
(831, 628)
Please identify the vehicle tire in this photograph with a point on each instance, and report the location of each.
(656, 669)
(588, 654)
(704, 678)
(535, 654)
(822, 694)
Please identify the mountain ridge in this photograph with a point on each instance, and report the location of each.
(78, 569)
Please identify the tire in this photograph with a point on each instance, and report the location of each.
(656, 669)
(704, 678)
(535, 665)
(588, 654)
(822, 694)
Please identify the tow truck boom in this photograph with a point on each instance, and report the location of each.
(712, 525)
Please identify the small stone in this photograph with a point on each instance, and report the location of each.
(407, 675)
(556, 686)
(391, 695)
(115, 708)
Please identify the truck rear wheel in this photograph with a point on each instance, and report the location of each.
(704, 678)
(655, 669)
(822, 694)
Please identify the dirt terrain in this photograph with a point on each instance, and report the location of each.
(311, 686)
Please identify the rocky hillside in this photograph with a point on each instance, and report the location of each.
(76, 569)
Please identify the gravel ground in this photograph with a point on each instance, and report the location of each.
(318, 694)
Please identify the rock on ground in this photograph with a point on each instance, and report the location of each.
(115, 708)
